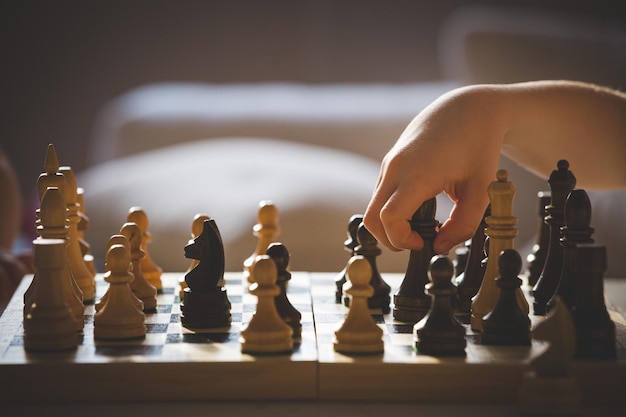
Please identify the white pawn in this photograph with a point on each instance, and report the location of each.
(49, 325)
(145, 291)
(116, 240)
(120, 317)
(267, 230)
(266, 332)
(359, 333)
(150, 270)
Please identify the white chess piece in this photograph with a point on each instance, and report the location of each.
(120, 317)
(266, 332)
(359, 333)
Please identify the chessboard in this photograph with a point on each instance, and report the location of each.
(170, 364)
(175, 364)
(488, 374)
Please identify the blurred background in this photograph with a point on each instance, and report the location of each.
(65, 61)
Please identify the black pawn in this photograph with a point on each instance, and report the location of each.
(576, 231)
(205, 302)
(439, 333)
(368, 248)
(290, 315)
(537, 258)
(470, 280)
(562, 182)
(410, 302)
(595, 331)
(349, 245)
(507, 324)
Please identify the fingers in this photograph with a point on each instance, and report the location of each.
(464, 218)
(388, 214)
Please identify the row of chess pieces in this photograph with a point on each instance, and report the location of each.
(486, 291)
(65, 277)
(572, 270)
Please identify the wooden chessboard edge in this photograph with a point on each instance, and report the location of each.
(166, 381)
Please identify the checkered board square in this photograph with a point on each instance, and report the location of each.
(171, 363)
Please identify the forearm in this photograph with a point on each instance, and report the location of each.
(550, 120)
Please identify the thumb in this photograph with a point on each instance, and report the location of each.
(465, 217)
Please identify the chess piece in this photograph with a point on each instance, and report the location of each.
(120, 317)
(49, 325)
(205, 303)
(51, 177)
(116, 240)
(83, 276)
(577, 218)
(266, 332)
(266, 230)
(368, 248)
(151, 271)
(595, 331)
(461, 254)
(562, 182)
(470, 279)
(537, 258)
(197, 225)
(349, 245)
(280, 255)
(549, 388)
(507, 324)
(410, 302)
(439, 333)
(52, 224)
(500, 231)
(83, 225)
(139, 285)
(359, 333)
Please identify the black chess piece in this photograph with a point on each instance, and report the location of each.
(469, 281)
(290, 315)
(205, 301)
(410, 302)
(349, 245)
(368, 248)
(595, 331)
(537, 258)
(439, 333)
(577, 230)
(562, 182)
(461, 254)
(507, 324)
